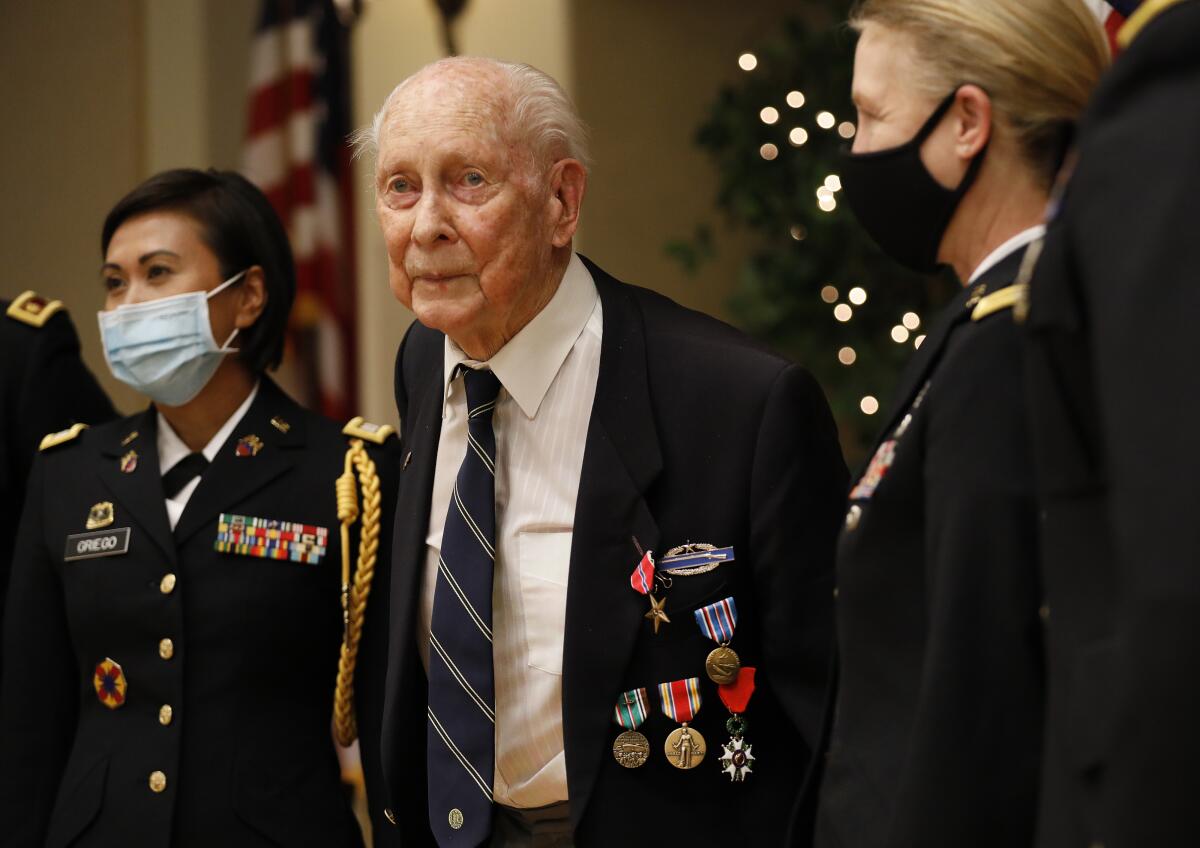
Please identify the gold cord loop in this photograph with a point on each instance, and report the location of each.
(354, 595)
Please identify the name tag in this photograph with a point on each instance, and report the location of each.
(102, 543)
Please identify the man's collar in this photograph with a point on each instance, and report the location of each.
(529, 362)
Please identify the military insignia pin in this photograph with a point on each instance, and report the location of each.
(685, 747)
(631, 748)
(109, 681)
(248, 445)
(100, 515)
(280, 425)
(129, 438)
(129, 462)
(736, 754)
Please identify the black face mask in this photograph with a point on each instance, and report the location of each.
(897, 200)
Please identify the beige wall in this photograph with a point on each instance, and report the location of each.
(102, 94)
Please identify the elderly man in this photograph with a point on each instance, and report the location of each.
(587, 466)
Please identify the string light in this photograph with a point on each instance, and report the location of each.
(911, 320)
(899, 334)
(747, 61)
(795, 99)
(824, 192)
(846, 129)
(768, 151)
(829, 294)
(868, 405)
(799, 233)
(858, 295)
(827, 204)
(798, 136)
(825, 120)
(769, 114)
(833, 182)
(917, 341)
(843, 313)
(846, 356)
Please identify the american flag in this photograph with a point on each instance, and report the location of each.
(296, 152)
(1111, 15)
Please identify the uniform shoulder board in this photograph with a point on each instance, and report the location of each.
(1000, 300)
(33, 309)
(1148, 11)
(360, 428)
(61, 437)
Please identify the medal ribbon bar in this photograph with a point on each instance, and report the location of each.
(680, 699)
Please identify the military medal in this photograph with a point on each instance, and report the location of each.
(717, 622)
(685, 747)
(270, 539)
(736, 754)
(631, 748)
(110, 685)
(693, 558)
(642, 581)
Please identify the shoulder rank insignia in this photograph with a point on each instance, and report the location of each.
(52, 440)
(1146, 12)
(998, 301)
(360, 428)
(33, 309)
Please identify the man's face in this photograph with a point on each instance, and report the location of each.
(468, 222)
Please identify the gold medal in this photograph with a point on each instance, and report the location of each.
(631, 749)
(722, 665)
(685, 747)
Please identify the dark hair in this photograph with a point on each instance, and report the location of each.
(238, 224)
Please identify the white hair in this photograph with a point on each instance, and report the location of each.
(538, 110)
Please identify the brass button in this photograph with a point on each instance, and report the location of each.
(389, 815)
(1044, 615)
(158, 781)
(456, 819)
(165, 714)
(166, 649)
(853, 517)
(167, 586)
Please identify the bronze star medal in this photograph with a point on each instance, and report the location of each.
(656, 614)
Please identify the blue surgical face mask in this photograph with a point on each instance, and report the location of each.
(165, 348)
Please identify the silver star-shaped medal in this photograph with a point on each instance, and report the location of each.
(736, 757)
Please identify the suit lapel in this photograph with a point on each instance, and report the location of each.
(139, 490)
(604, 615)
(232, 478)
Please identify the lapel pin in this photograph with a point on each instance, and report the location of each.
(249, 445)
(129, 462)
(129, 438)
(109, 681)
(100, 515)
(280, 425)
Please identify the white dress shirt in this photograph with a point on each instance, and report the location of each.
(1008, 248)
(171, 449)
(548, 373)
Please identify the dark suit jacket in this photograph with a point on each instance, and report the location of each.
(697, 435)
(247, 753)
(1113, 396)
(937, 736)
(44, 387)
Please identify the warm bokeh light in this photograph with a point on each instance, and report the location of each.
(795, 99)
(869, 405)
(769, 114)
(829, 294)
(747, 61)
(846, 129)
(843, 313)
(899, 334)
(825, 120)
(833, 182)
(911, 320)
(858, 295)
(846, 356)
(768, 151)
(798, 136)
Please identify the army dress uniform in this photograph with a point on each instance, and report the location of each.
(937, 727)
(44, 386)
(175, 688)
(1113, 349)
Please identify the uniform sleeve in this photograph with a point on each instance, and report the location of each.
(798, 496)
(1134, 213)
(38, 693)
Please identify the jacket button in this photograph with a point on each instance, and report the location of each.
(853, 517)
(167, 586)
(389, 815)
(165, 714)
(158, 781)
(166, 649)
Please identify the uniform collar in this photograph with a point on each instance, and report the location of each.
(1009, 247)
(171, 448)
(528, 364)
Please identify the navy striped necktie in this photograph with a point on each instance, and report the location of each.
(462, 699)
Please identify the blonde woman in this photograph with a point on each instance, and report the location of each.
(964, 111)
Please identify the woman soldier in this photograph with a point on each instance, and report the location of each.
(174, 618)
(964, 112)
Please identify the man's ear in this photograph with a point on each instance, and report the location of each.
(252, 297)
(973, 121)
(568, 183)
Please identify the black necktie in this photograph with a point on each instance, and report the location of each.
(182, 473)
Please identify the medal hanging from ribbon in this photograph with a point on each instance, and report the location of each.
(736, 754)
(685, 747)
(717, 622)
(642, 581)
(631, 748)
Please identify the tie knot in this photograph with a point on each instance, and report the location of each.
(482, 389)
(183, 472)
